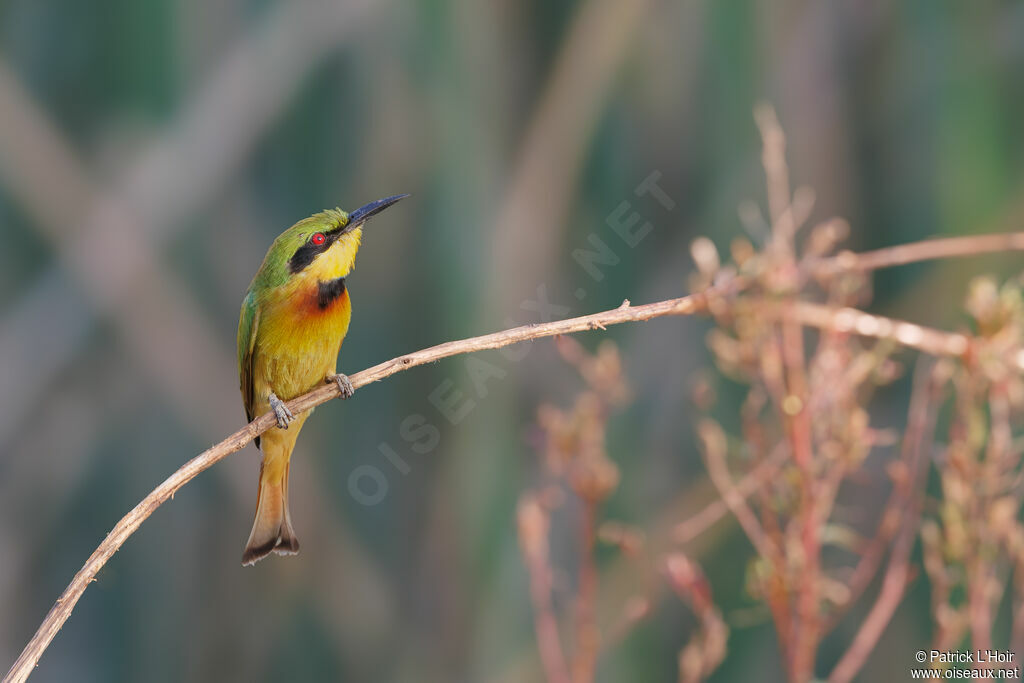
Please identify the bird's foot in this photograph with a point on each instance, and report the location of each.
(344, 385)
(284, 416)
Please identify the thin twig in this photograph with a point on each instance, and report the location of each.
(807, 625)
(694, 526)
(706, 649)
(587, 635)
(713, 439)
(894, 513)
(926, 250)
(850, 320)
(534, 525)
(714, 442)
(60, 612)
(893, 587)
(917, 445)
(773, 158)
(1017, 629)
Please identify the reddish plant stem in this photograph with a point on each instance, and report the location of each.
(534, 526)
(587, 636)
(796, 410)
(917, 445)
(926, 250)
(754, 481)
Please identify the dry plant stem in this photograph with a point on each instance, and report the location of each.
(806, 625)
(714, 455)
(754, 480)
(850, 320)
(587, 643)
(870, 560)
(767, 525)
(819, 316)
(535, 547)
(548, 640)
(979, 607)
(62, 609)
(980, 568)
(754, 434)
(893, 587)
(1017, 629)
(927, 250)
(773, 158)
(916, 446)
(714, 458)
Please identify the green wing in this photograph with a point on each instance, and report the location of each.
(248, 323)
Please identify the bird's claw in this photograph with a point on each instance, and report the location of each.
(284, 416)
(344, 385)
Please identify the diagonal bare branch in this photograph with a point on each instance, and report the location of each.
(60, 612)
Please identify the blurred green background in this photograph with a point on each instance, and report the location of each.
(151, 151)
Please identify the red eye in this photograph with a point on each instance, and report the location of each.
(318, 238)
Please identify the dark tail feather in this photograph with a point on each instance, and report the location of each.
(272, 530)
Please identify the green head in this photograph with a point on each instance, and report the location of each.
(322, 247)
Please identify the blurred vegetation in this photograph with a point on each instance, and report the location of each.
(150, 152)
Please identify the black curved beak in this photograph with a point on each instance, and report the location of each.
(363, 213)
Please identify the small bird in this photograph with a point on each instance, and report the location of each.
(293, 320)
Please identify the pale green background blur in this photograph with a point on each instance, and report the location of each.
(150, 152)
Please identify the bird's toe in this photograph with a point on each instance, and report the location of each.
(345, 386)
(281, 412)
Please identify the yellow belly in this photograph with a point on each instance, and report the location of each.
(297, 345)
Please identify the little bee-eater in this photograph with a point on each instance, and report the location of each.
(294, 318)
